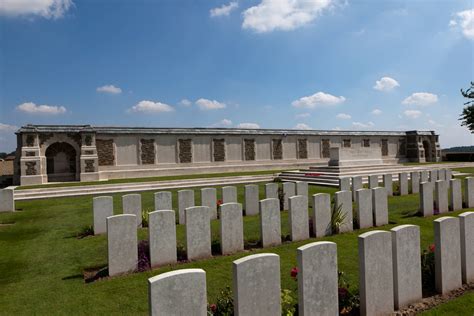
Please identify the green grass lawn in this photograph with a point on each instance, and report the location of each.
(42, 262)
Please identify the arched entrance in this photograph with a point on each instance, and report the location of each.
(61, 162)
(428, 153)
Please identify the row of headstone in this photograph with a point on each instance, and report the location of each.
(416, 177)
(389, 273)
(103, 207)
(7, 200)
(447, 196)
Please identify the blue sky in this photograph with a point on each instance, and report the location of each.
(319, 64)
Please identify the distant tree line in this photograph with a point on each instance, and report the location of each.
(3, 155)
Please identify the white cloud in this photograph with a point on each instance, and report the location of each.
(31, 108)
(49, 9)
(248, 125)
(434, 123)
(386, 84)
(185, 102)
(286, 15)
(337, 128)
(224, 10)
(319, 99)
(205, 104)
(376, 112)
(362, 125)
(302, 126)
(465, 20)
(109, 89)
(223, 123)
(413, 114)
(7, 128)
(421, 99)
(146, 106)
(302, 115)
(343, 116)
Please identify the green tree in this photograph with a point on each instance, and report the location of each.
(467, 116)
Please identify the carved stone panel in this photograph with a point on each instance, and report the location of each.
(30, 154)
(384, 147)
(88, 140)
(185, 147)
(249, 149)
(148, 151)
(277, 149)
(30, 140)
(30, 168)
(402, 147)
(326, 146)
(105, 152)
(302, 149)
(89, 165)
(219, 149)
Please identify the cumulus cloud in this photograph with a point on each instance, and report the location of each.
(285, 15)
(7, 128)
(465, 21)
(362, 125)
(248, 125)
(434, 123)
(386, 84)
(223, 123)
(146, 106)
(49, 9)
(343, 116)
(109, 89)
(413, 114)
(319, 99)
(32, 108)
(421, 99)
(224, 10)
(205, 104)
(302, 126)
(376, 112)
(185, 102)
(302, 115)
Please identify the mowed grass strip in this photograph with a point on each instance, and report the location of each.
(42, 262)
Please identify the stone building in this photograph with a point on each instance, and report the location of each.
(54, 153)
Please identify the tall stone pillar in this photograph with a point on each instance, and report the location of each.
(32, 164)
(89, 159)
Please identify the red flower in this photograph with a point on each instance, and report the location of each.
(432, 247)
(342, 292)
(294, 272)
(213, 308)
(219, 202)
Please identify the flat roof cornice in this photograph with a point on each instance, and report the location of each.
(204, 131)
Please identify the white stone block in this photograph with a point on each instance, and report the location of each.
(122, 246)
(251, 199)
(180, 292)
(256, 285)
(373, 181)
(466, 221)
(302, 188)
(132, 204)
(103, 207)
(209, 199)
(407, 287)
(388, 183)
(415, 182)
(163, 201)
(433, 176)
(376, 273)
(343, 199)
(469, 192)
(364, 208)
(7, 201)
(318, 279)
(298, 218)
(229, 194)
(449, 174)
(447, 254)
(271, 190)
(442, 174)
(270, 223)
(231, 229)
(322, 214)
(403, 183)
(356, 185)
(198, 232)
(345, 184)
(455, 197)
(380, 206)
(426, 198)
(162, 237)
(185, 200)
(441, 196)
(424, 176)
(289, 190)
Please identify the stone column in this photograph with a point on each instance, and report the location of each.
(32, 163)
(89, 158)
(7, 200)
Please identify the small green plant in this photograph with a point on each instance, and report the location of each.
(224, 305)
(145, 217)
(337, 218)
(86, 231)
(288, 303)
(349, 302)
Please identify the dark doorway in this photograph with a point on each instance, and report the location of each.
(427, 148)
(61, 162)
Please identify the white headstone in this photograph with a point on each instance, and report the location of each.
(466, 221)
(426, 198)
(345, 184)
(7, 201)
(455, 196)
(343, 199)
(289, 190)
(271, 190)
(322, 214)
(469, 192)
(364, 208)
(122, 246)
(256, 285)
(251, 199)
(302, 188)
(441, 196)
(424, 176)
(180, 292)
(380, 206)
(229, 194)
(103, 207)
(373, 181)
(403, 183)
(132, 204)
(356, 185)
(270, 225)
(433, 176)
(198, 232)
(232, 229)
(298, 218)
(162, 237)
(415, 182)
(388, 183)
(163, 200)
(209, 199)
(185, 200)
(318, 279)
